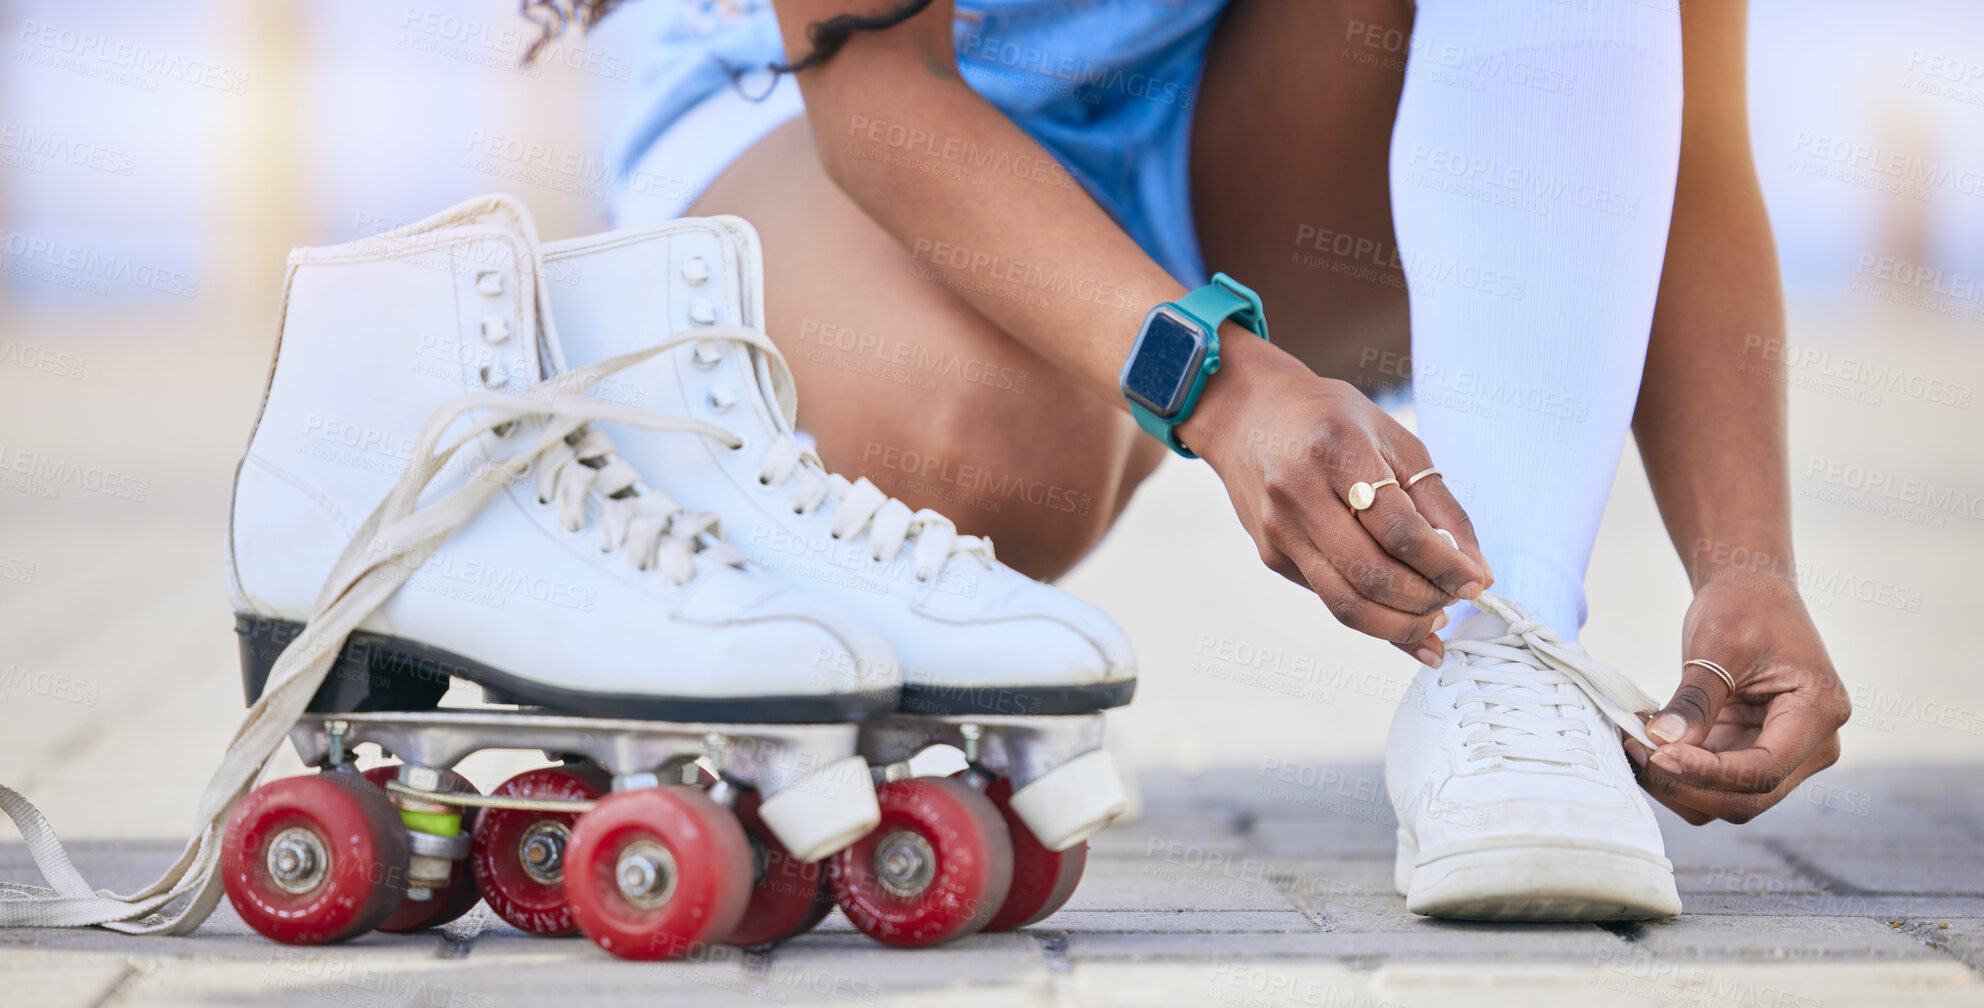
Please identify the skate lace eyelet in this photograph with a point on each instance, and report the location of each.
(833, 535)
(762, 481)
(922, 578)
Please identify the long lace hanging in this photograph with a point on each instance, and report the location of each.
(372, 566)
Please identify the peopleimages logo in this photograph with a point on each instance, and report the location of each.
(1072, 70)
(1896, 168)
(1887, 489)
(50, 474)
(42, 359)
(890, 350)
(32, 145)
(1025, 275)
(87, 264)
(984, 159)
(122, 62)
(1875, 376)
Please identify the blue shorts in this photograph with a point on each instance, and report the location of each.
(1106, 86)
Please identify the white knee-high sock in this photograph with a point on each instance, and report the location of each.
(1532, 174)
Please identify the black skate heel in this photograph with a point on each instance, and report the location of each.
(369, 675)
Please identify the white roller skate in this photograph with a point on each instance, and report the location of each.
(520, 552)
(1012, 672)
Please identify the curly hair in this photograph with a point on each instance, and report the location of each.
(552, 17)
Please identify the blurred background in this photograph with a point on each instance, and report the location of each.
(157, 161)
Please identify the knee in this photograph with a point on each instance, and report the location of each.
(1044, 485)
(1043, 478)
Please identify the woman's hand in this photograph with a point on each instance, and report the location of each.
(1289, 446)
(1726, 756)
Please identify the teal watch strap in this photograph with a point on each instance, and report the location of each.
(1211, 305)
(1222, 299)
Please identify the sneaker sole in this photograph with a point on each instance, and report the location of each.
(1539, 882)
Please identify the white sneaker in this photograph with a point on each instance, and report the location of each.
(1513, 794)
(973, 635)
(577, 587)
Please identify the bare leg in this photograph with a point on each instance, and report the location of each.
(904, 382)
(1306, 220)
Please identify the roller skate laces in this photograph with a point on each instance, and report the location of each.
(572, 460)
(860, 505)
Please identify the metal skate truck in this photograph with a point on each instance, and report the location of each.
(730, 742)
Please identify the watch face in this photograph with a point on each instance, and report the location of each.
(1166, 357)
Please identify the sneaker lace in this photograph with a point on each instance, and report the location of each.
(862, 505)
(401, 532)
(1520, 679)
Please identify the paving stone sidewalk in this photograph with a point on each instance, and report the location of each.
(1252, 886)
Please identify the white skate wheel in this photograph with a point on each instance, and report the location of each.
(824, 811)
(1133, 795)
(1073, 801)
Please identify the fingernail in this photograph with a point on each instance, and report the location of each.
(1470, 589)
(1427, 656)
(1665, 761)
(1637, 754)
(1667, 727)
(1440, 622)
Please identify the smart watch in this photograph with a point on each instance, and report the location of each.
(1178, 349)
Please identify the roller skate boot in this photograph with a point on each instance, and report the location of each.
(1011, 672)
(419, 501)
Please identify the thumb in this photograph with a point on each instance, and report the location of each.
(1697, 701)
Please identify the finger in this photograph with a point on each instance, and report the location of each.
(1395, 524)
(1435, 501)
(1791, 731)
(1333, 530)
(1428, 650)
(1354, 610)
(1696, 702)
(1664, 795)
(1376, 574)
(1684, 796)
(1437, 505)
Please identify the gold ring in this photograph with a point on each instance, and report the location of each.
(1430, 471)
(1720, 672)
(1363, 495)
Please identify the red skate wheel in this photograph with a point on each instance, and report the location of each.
(461, 894)
(937, 867)
(519, 856)
(1042, 879)
(310, 860)
(658, 873)
(790, 896)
